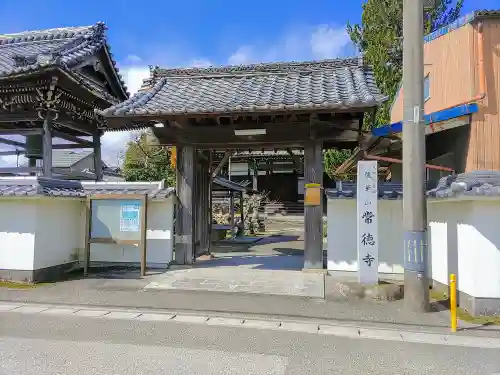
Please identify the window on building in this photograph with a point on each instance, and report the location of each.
(427, 89)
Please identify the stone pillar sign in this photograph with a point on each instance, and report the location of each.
(367, 217)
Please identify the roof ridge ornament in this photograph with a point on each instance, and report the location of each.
(273, 67)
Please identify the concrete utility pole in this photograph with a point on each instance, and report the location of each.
(414, 173)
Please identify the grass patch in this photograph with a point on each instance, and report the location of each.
(442, 297)
(482, 320)
(437, 295)
(13, 285)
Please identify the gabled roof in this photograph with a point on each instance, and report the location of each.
(32, 51)
(328, 84)
(67, 158)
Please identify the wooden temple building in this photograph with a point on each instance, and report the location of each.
(309, 106)
(52, 82)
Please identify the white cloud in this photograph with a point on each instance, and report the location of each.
(328, 42)
(304, 43)
(200, 63)
(243, 55)
(114, 143)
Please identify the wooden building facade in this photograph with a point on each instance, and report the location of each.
(462, 78)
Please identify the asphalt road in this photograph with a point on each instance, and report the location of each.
(38, 344)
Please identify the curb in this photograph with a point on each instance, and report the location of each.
(297, 326)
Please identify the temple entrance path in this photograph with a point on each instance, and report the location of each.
(270, 266)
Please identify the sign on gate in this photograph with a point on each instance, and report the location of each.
(367, 218)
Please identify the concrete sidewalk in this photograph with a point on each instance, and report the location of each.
(242, 280)
(249, 322)
(130, 293)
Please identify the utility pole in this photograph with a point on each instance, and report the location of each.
(414, 174)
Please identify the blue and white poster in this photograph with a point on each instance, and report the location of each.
(130, 217)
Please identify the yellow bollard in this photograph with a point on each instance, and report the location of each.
(453, 302)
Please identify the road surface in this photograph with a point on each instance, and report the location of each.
(37, 344)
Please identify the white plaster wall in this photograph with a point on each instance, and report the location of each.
(58, 231)
(464, 239)
(159, 239)
(342, 235)
(17, 234)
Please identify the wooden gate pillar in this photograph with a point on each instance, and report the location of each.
(47, 145)
(313, 215)
(96, 142)
(185, 218)
(204, 206)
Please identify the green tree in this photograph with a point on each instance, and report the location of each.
(332, 159)
(379, 38)
(145, 161)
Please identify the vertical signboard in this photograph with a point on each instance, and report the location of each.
(129, 217)
(367, 220)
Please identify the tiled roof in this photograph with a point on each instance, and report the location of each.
(155, 190)
(33, 186)
(328, 84)
(386, 190)
(487, 13)
(31, 51)
(486, 183)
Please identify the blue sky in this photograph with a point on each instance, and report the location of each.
(200, 33)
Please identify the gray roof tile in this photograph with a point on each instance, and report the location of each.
(487, 13)
(486, 183)
(328, 84)
(31, 51)
(153, 190)
(22, 187)
(33, 186)
(386, 190)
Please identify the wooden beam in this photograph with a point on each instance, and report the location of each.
(21, 131)
(19, 117)
(338, 113)
(98, 168)
(275, 138)
(71, 138)
(65, 121)
(16, 170)
(67, 146)
(184, 242)
(313, 215)
(47, 145)
(10, 153)
(222, 163)
(12, 143)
